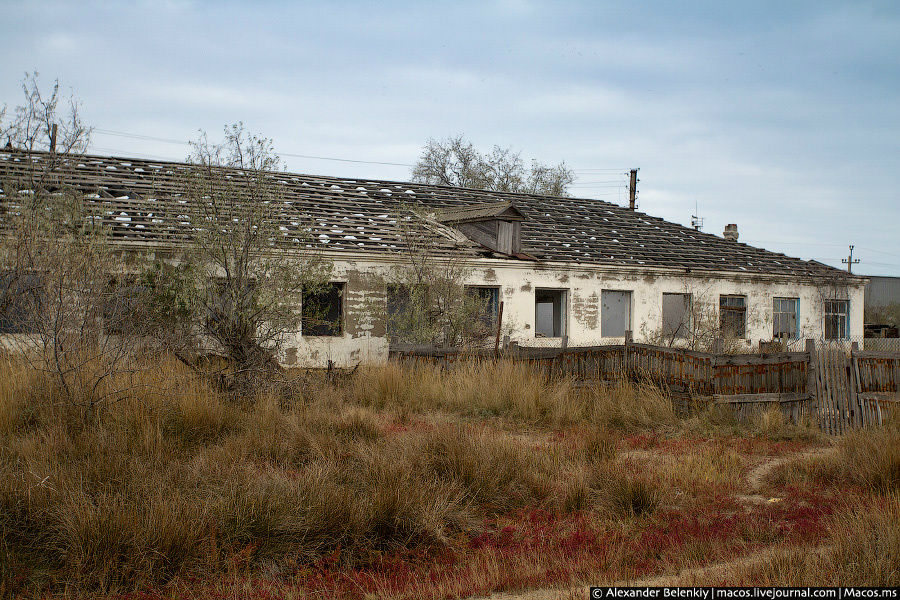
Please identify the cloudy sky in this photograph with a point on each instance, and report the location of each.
(782, 117)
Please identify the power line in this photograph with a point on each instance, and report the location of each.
(879, 251)
(153, 138)
(348, 160)
(115, 151)
(793, 243)
(608, 181)
(881, 264)
(138, 136)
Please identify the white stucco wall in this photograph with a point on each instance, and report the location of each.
(363, 340)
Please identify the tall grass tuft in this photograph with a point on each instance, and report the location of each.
(868, 457)
(473, 388)
(626, 406)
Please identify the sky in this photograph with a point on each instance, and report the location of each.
(781, 117)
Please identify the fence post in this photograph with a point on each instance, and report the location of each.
(565, 342)
(628, 342)
(855, 404)
(812, 387)
(719, 346)
(499, 322)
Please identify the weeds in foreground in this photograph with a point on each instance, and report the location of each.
(868, 458)
(356, 478)
(178, 479)
(862, 548)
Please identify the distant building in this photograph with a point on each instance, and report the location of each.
(882, 291)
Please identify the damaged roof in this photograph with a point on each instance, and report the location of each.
(142, 202)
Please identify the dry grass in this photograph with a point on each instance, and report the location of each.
(773, 425)
(867, 458)
(862, 549)
(177, 479)
(484, 389)
(630, 407)
(718, 420)
(473, 389)
(870, 458)
(395, 464)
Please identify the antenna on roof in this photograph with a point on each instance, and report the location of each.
(696, 219)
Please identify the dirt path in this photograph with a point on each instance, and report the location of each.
(755, 482)
(699, 575)
(715, 571)
(757, 476)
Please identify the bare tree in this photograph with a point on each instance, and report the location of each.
(887, 314)
(428, 301)
(455, 162)
(61, 277)
(39, 123)
(250, 256)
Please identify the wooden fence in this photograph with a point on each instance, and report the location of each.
(828, 385)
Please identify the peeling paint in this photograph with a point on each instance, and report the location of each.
(290, 356)
(363, 339)
(586, 310)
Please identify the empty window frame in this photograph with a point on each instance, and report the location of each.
(398, 306)
(124, 306)
(615, 313)
(784, 318)
(21, 302)
(836, 316)
(488, 302)
(733, 316)
(550, 313)
(676, 316)
(322, 310)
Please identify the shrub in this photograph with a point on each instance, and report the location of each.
(629, 496)
(493, 471)
(609, 489)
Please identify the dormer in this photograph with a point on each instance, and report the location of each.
(497, 226)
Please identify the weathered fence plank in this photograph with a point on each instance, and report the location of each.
(840, 390)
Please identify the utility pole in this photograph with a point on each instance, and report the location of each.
(632, 189)
(849, 261)
(53, 139)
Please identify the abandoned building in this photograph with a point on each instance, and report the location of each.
(566, 270)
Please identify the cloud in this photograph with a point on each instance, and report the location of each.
(213, 95)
